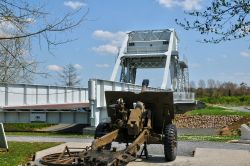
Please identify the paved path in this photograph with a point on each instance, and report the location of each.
(241, 109)
(185, 148)
(236, 108)
(197, 131)
(203, 156)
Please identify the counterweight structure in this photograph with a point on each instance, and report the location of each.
(152, 49)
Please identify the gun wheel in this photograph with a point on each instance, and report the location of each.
(170, 142)
(57, 159)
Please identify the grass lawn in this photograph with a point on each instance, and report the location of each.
(207, 138)
(25, 126)
(50, 134)
(217, 111)
(228, 100)
(20, 152)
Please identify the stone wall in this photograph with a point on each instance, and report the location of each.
(204, 121)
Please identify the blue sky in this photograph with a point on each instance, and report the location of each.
(94, 52)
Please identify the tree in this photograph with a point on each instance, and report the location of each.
(218, 83)
(202, 84)
(69, 76)
(192, 86)
(243, 88)
(224, 19)
(20, 24)
(229, 88)
(16, 66)
(211, 84)
(22, 20)
(201, 88)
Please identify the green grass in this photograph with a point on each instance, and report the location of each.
(25, 126)
(207, 138)
(217, 111)
(228, 100)
(20, 152)
(50, 134)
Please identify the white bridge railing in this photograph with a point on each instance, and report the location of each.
(27, 94)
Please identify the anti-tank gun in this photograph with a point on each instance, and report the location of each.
(136, 119)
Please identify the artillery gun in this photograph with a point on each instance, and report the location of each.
(136, 119)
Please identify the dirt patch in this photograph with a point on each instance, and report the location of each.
(237, 124)
(234, 128)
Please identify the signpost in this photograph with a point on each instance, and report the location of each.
(3, 141)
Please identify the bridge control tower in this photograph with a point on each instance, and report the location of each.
(152, 49)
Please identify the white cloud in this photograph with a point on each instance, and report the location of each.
(54, 68)
(77, 66)
(245, 53)
(191, 4)
(106, 49)
(110, 36)
(74, 4)
(166, 3)
(102, 65)
(185, 4)
(100, 34)
(113, 39)
(6, 28)
(30, 20)
(7, 25)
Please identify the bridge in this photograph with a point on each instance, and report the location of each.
(25, 103)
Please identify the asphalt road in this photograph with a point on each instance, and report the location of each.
(185, 148)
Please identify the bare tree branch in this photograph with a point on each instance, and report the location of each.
(20, 23)
(224, 19)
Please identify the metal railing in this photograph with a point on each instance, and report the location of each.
(145, 49)
(28, 94)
